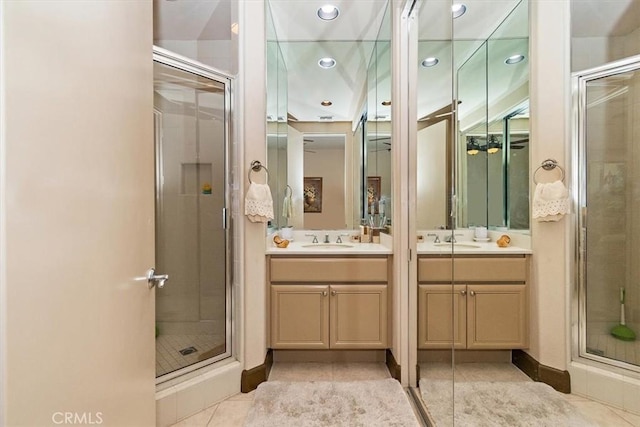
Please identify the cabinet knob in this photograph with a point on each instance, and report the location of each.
(463, 293)
(472, 293)
(333, 293)
(324, 293)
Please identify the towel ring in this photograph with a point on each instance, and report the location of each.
(288, 191)
(549, 164)
(255, 167)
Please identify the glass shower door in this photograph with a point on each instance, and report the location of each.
(609, 199)
(193, 315)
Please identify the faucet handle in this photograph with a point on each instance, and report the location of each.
(340, 236)
(436, 237)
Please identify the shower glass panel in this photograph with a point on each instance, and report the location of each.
(192, 237)
(609, 201)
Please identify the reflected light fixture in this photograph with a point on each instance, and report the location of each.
(386, 103)
(473, 147)
(458, 9)
(326, 103)
(328, 12)
(493, 145)
(430, 62)
(514, 59)
(327, 62)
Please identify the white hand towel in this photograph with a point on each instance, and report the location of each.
(550, 201)
(287, 207)
(258, 203)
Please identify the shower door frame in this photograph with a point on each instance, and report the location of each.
(579, 82)
(171, 59)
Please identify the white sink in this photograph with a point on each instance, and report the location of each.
(458, 245)
(327, 246)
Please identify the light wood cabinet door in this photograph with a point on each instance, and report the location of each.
(300, 316)
(442, 316)
(358, 316)
(497, 316)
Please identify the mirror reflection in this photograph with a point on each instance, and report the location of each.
(489, 127)
(329, 113)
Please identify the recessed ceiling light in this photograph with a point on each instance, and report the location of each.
(386, 103)
(327, 62)
(458, 9)
(326, 103)
(328, 12)
(514, 59)
(430, 62)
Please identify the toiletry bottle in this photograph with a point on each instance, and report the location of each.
(364, 232)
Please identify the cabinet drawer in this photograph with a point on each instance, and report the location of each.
(512, 269)
(328, 270)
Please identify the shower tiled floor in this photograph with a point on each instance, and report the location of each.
(607, 346)
(169, 358)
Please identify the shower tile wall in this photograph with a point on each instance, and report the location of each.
(613, 244)
(190, 239)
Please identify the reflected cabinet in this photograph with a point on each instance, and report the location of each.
(486, 308)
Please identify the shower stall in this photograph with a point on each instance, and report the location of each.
(193, 310)
(607, 120)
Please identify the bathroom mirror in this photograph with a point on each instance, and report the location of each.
(377, 146)
(277, 131)
(491, 93)
(491, 157)
(324, 109)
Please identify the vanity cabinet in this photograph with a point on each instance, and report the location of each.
(485, 308)
(317, 306)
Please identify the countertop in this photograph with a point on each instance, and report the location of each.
(481, 248)
(348, 248)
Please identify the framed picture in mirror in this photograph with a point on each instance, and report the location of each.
(373, 193)
(313, 194)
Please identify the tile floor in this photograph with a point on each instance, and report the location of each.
(605, 345)
(604, 415)
(233, 411)
(169, 358)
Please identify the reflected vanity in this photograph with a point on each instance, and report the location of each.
(339, 131)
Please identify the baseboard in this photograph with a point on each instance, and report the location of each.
(559, 380)
(392, 365)
(252, 378)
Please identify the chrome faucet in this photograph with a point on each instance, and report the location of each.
(326, 238)
(315, 239)
(437, 238)
(339, 239)
(451, 238)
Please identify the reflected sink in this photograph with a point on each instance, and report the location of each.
(327, 246)
(458, 245)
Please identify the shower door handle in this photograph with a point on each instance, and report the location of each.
(154, 279)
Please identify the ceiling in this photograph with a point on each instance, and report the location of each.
(349, 39)
(304, 39)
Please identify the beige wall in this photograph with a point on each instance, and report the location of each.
(252, 146)
(550, 139)
(327, 164)
(348, 167)
(431, 201)
(295, 175)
